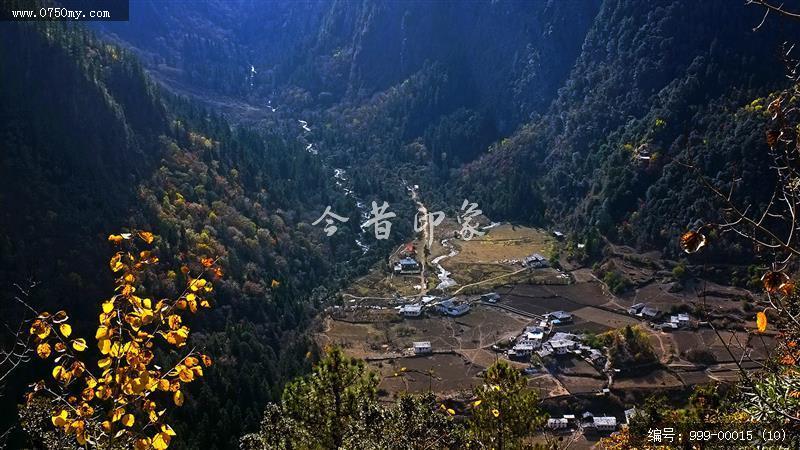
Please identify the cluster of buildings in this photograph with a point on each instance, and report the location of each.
(537, 339)
(452, 307)
(588, 422)
(673, 322)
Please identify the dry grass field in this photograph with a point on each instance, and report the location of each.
(443, 373)
(504, 242)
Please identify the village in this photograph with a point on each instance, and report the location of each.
(435, 324)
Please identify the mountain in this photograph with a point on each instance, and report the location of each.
(576, 114)
(92, 148)
(579, 114)
(656, 86)
(337, 51)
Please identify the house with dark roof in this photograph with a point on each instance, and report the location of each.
(559, 317)
(452, 307)
(535, 261)
(636, 309)
(407, 266)
(649, 313)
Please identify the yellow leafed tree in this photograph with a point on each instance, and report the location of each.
(121, 399)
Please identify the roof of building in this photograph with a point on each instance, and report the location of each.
(408, 260)
(560, 335)
(569, 416)
(537, 336)
(452, 303)
(638, 306)
(560, 315)
(422, 344)
(556, 421)
(411, 308)
(649, 311)
(560, 343)
(605, 420)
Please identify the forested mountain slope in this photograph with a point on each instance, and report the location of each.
(655, 85)
(92, 148)
(574, 113)
(510, 57)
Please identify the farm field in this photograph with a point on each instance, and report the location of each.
(367, 324)
(443, 373)
(657, 379)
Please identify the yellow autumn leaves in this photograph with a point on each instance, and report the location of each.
(692, 241)
(127, 395)
(146, 236)
(761, 321)
(774, 282)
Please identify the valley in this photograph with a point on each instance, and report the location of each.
(398, 322)
(422, 224)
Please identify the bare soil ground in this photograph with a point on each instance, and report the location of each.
(575, 366)
(605, 318)
(480, 328)
(547, 385)
(581, 385)
(444, 373)
(654, 380)
(718, 298)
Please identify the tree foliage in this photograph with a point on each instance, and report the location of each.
(503, 413)
(124, 400)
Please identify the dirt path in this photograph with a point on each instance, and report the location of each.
(423, 211)
(489, 279)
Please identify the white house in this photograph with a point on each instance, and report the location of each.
(532, 336)
(559, 346)
(681, 320)
(422, 347)
(522, 350)
(411, 310)
(605, 423)
(557, 424)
